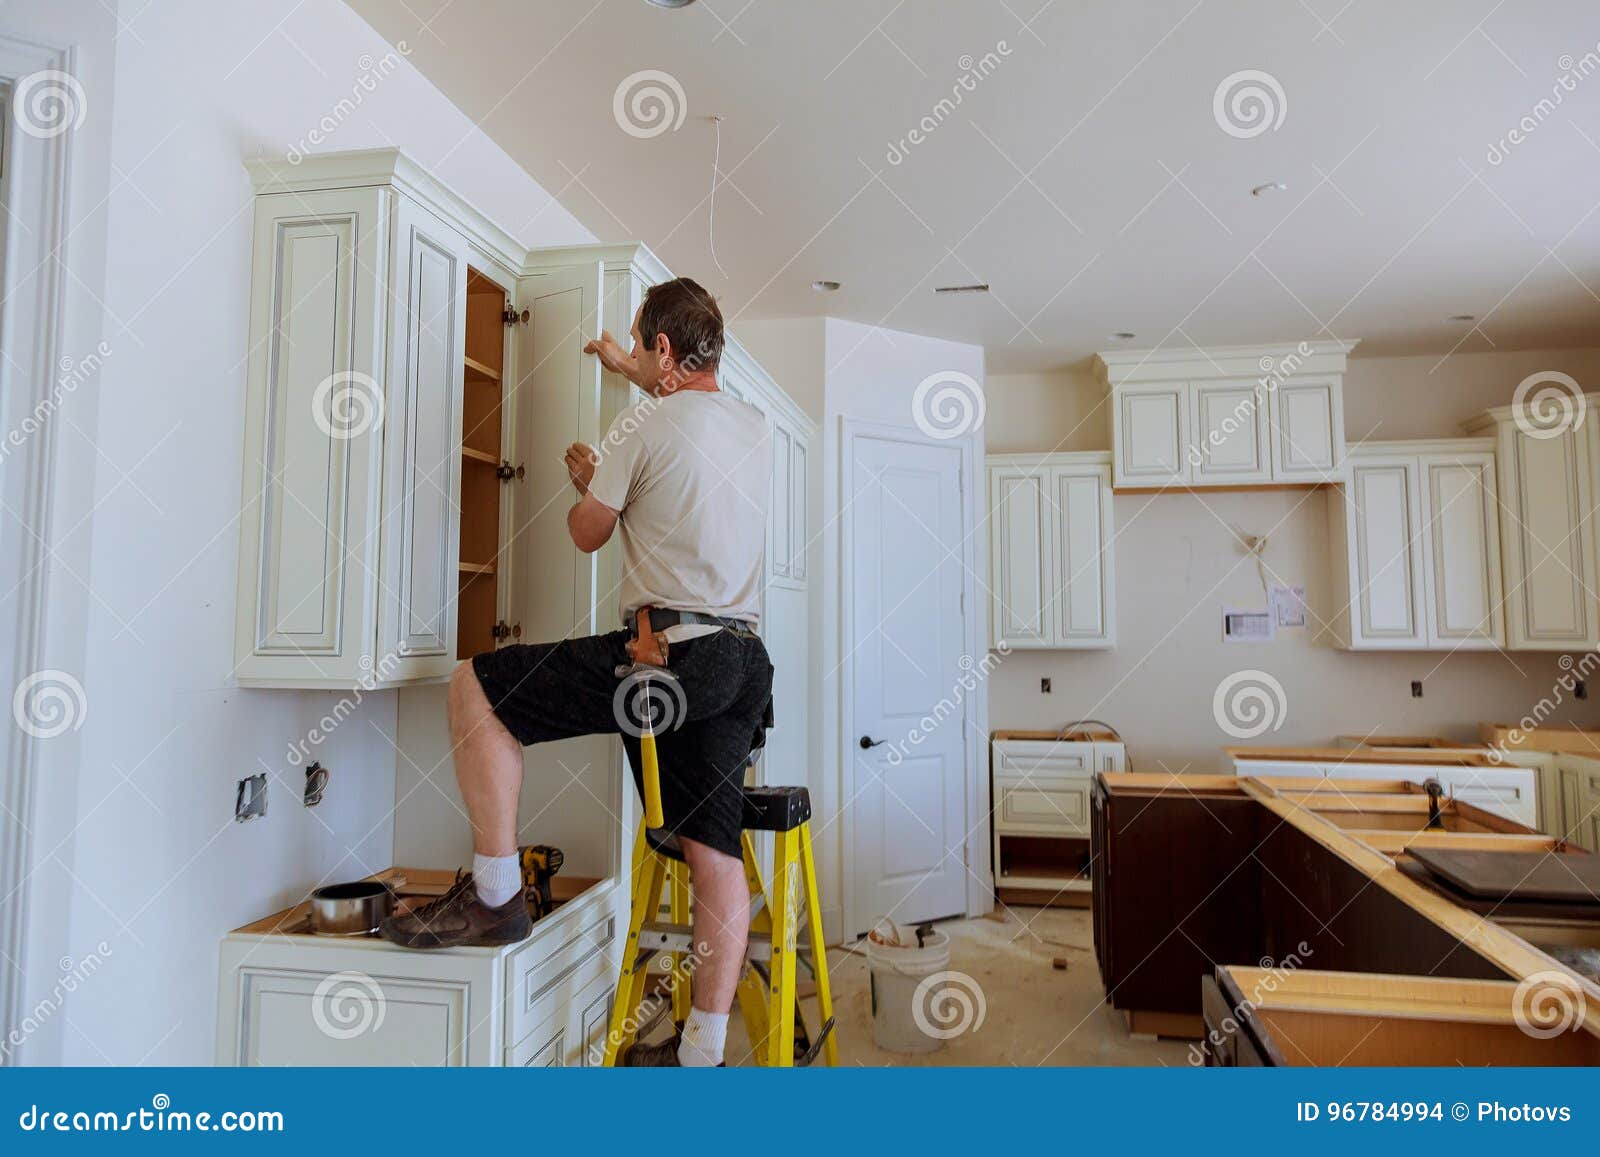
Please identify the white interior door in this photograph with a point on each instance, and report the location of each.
(905, 642)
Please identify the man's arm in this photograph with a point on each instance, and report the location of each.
(590, 521)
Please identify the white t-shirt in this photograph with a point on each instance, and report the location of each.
(689, 476)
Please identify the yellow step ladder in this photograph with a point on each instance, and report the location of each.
(772, 1016)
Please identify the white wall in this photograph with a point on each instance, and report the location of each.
(133, 836)
(1178, 565)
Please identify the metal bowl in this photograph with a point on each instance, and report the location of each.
(354, 909)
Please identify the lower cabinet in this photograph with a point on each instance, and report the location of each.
(1050, 531)
(1415, 544)
(1578, 785)
(1512, 792)
(1041, 813)
(291, 998)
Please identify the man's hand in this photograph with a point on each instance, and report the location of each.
(581, 461)
(613, 357)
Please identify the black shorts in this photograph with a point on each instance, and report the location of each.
(705, 732)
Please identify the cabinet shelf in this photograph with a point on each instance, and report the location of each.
(478, 372)
(476, 568)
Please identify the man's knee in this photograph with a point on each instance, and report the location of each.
(467, 705)
(704, 860)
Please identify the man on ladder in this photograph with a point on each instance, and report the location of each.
(684, 480)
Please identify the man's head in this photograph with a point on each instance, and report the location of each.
(677, 333)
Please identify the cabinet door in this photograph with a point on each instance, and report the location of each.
(1385, 554)
(1545, 527)
(1081, 559)
(780, 552)
(1461, 551)
(1150, 425)
(799, 528)
(1228, 445)
(421, 538)
(1307, 429)
(308, 548)
(1021, 558)
(1579, 778)
(559, 387)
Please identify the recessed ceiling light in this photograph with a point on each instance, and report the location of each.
(1462, 317)
(670, 3)
(984, 288)
(1124, 335)
(1269, 187)
(825, 286)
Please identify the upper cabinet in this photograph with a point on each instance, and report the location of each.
(1414, 540)
(1547, 490)
(1231, 416)
(414, 377)
(1051, 535)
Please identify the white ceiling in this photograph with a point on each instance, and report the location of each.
(1086, 177)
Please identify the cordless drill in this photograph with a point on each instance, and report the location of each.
(540, 863)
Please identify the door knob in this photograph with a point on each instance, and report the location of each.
(868, 742)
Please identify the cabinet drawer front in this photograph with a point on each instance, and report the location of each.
(1058, 809)
(549, 971)
(1034, 761)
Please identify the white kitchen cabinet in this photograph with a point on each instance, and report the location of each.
(1546, 494)
(287, 997)
(1052, 565)
(1578, 815)
(353, 509)
(1415, 547)
(1041, 794)
(1229, 416)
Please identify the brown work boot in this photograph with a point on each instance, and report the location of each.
(459, 918)
(662, 1055)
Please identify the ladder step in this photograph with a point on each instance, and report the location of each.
(664, 937)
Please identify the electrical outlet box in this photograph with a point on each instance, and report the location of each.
(251, 801)
(1044, 685)
(1416, 688)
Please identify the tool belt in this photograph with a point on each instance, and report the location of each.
(648, 643)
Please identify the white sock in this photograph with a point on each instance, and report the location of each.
(497, 878)
(704, 1034)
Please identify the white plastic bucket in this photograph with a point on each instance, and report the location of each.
(900, 1012)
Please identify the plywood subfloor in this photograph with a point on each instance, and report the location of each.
(1034, 1014)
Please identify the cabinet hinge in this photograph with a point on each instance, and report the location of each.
(504, 630)
(511, 316)
(506, 471)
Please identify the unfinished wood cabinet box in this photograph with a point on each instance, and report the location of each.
(1256, 1016)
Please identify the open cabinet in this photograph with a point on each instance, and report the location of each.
(484, 471)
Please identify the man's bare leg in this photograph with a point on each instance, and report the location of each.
(721, 929)
(488, 765)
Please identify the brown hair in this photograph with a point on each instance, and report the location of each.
(689, 316)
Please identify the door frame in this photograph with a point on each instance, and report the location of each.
(35, 179)
(975, 709)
